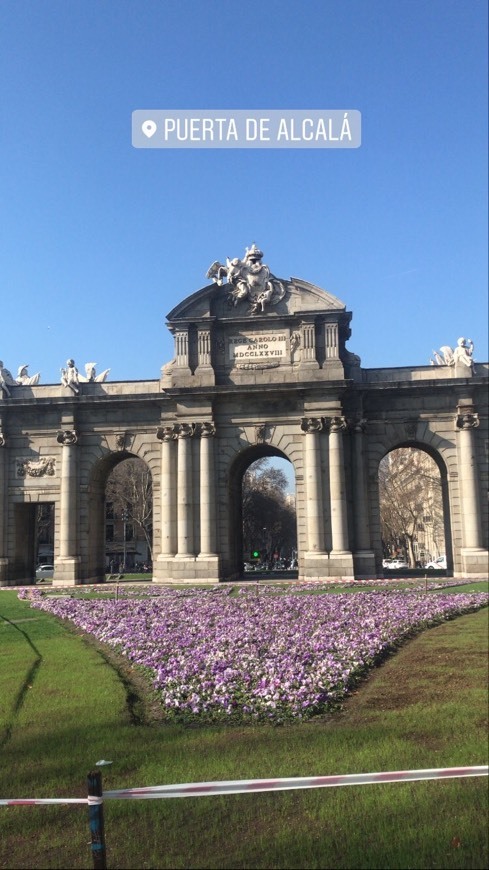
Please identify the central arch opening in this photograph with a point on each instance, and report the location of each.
(266, 525)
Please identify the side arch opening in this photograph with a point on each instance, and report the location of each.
(414, 510)
(120, 524)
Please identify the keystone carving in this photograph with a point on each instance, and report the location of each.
(120, 440)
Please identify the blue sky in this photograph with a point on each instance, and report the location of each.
(100, 240)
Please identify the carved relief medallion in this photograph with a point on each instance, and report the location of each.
(46, 466)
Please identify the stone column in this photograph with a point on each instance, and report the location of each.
(167, 436)
(312, 426)
(184, 491)
(339, 524)
(364, 557)
(3, 510)
(207, 491)
(66, 567)
(473, 556)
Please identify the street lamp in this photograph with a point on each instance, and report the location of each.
(125, 517)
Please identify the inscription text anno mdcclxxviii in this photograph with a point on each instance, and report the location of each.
(242, 347)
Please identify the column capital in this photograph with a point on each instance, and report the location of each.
(207, 429)
(312, 424)
(166, 433)
(67, 437)
(337, 424)
(358, 426)
(469, 419)
(185, 430)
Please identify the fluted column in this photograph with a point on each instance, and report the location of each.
(68, 495)
(204, 347)
(308, 344)
(207, 491)
(167, 436)
(312, 426)
(339, 521)
(466, 422)
(184, 490)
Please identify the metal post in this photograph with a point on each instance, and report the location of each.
(124, 519)
(96, 819)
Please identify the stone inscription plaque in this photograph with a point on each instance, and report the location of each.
(243, 348)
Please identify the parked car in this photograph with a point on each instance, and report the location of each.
(439, 564)
(395, 564)
(43, 571)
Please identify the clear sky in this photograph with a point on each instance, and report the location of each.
(99, 240)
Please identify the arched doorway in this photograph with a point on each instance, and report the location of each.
(263, 528)
(414, 510)
(120, 516)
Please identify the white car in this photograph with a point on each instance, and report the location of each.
(439, 564)
(44, 571)
(394, 564)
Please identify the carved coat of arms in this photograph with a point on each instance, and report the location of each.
(248, 279)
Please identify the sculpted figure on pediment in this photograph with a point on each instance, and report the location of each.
(25, 379)
(248, 279)
(461, 355)
(91, 374)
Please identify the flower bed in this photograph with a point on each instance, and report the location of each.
(252, 657)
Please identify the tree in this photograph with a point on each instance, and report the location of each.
(269, 518)
(411, 507)
(130, 490)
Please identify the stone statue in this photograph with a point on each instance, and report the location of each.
(24, 379)
(70, 377)
(249, 279)
(6, 380)
(463, 352)
(461, 355)
(91, 375)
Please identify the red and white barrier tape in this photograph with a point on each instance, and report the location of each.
(36, 802)
(246, 786)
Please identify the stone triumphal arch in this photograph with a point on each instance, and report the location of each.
(260, 368)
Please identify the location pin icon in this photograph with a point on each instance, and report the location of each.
(149, 128)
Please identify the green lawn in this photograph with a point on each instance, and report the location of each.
(65, 704)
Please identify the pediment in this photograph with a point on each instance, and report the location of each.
(216, 302)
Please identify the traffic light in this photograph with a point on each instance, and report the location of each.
(255, 554)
